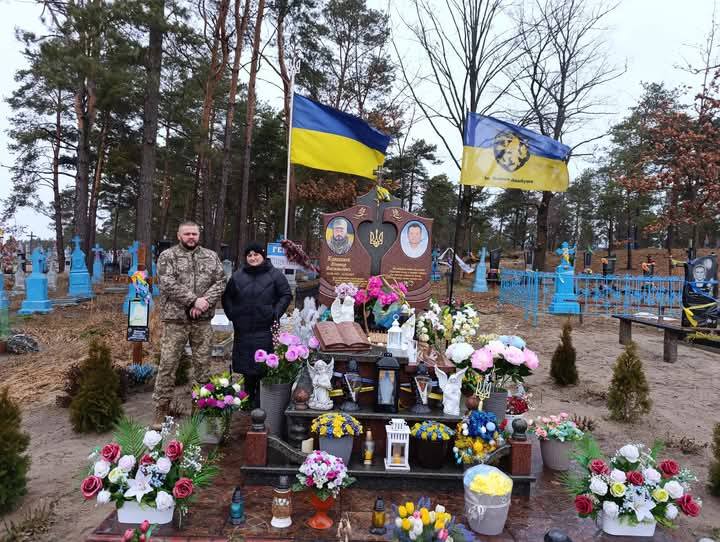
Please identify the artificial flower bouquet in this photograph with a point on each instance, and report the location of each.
(432, 431)
(559, 427)
(633, 487)
(346, 289)
(219, 397)
(517, 405)
(504, 360)
(456, 323)
(284, 363)
(421, 522)
(477, 436)
(157, 469)
(384, 298)
(336, 425)
(324, 474)
(492, 483)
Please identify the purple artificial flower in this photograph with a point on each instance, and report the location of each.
(202, 403)
(260, 356)
(313, 342)
(272, 361)
(210, 387)
(229, 399)
(285, 338)
(304, 351)
(292, 354)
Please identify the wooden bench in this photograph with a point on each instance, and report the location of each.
(673, 334)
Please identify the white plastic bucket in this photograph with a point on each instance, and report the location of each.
(486, 514)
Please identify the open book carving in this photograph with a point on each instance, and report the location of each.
(342, 337)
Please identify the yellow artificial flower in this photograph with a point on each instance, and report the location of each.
(410, 507)
(402, 512)
(406, 524)
(618, 489)
(660, 495)
(493, 483)
(439, 524)
(425, 516)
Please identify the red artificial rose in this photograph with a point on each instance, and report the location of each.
(688, 505)
(147, 460)
(583, 505)
(598, 466)
(635, 478)
(669, 468)
(90, 486)
(174, 450)
(183, 488)
(111, 452)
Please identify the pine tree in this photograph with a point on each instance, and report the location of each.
(629, 394)
(714, 477)
(14, 463)
(96, 407)
(562, 368)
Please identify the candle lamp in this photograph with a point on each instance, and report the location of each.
(282, 504)
(352, 383)
(378, 518)
(421, 383)
(397, 445)
(368, 448)
(237, 508)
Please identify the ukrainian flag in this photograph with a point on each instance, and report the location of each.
(505, 155)
(325, 138)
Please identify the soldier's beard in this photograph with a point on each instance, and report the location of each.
(189, 246)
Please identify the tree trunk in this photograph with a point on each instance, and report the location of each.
(542, 230)
(412, 187)
(57, 202)
(92, 211)
(143, 224)
(610, 237)
(166, 194)
(241, 27)
(115, 233)
(84, 111)
(249, 122)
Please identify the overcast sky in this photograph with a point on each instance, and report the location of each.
(651, 37)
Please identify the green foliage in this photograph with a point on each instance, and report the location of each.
(129, 435)
(714, 475)
(14, 463)
(584, 451)
(562, 367)
(629, 393)
(96, 407)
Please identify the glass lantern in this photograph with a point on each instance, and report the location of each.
(397, 445)
(387, 384)
(395, 339)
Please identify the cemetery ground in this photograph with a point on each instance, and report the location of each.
(686, 405)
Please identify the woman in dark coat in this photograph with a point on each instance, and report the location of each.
(257, 295)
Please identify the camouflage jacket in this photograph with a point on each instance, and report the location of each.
(186, 275)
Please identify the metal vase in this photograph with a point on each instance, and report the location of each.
(274, 399)
(339, 447)
(497, 404)
(556, 454)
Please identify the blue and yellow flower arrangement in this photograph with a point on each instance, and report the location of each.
(477, 436)
(336, 425)
(432, 431)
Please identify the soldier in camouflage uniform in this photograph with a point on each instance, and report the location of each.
(191, 283)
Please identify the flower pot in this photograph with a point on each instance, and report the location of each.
(339, 447)
(510, 418)
(321, 520)
(274, 399)
(497, 404)
(134, 513)
(486, 514)
(620, 526)
(556, 454)
(431, 454)
(212, 429)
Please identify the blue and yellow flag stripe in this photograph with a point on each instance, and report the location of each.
(504, 155)
(325, 138)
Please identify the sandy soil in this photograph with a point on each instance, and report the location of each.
(685, 396)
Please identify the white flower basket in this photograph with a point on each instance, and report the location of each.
(134, 513)
(620, 526)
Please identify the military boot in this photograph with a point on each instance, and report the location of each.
(162, 409)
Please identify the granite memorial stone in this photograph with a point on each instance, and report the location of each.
(36, 298)
(79, 281)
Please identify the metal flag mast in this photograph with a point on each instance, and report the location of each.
(293, 70)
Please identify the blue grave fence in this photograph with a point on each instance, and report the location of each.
(533, 291)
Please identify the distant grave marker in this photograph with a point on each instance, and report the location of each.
(36, 298)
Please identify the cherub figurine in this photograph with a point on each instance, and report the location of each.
(450, 387)
(321, 374)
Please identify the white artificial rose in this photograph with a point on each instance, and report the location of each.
(598, 487)
(398, 522)
(674, 489)
(618, 476)
(472, 332)
(224, 382)
(204, 392)
(412, 535)
(236, 387)
(101, 468)
(164, 501)
(610, 509)
(103, 497)
(117, 475)
(651, 475)
(439, 509)
(671, 512)
(163, 465)
(152, 439)
(630, 452)
(126, 463)
(237, 401)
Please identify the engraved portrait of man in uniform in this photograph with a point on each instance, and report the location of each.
(339, 235)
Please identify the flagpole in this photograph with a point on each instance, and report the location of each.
(295, 67)
(455, 242)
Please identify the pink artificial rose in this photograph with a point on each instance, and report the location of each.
(375, 282)
(304, 351)
(531, 359)
(272, 361)
(90, 486)
(295, 340)
(401, 286)
(229, 399)
(210, 387)
(242, 394)
(260, 356)
(292, 354)
(202, 402)
(111, 452)
(313, 342)
(309, 480)
(285, 338)
(541, 433)
(514, 355)
(183, 488)
(392, 298)
(174, 450)
(374, 292)
(598, 466)
(482, 359)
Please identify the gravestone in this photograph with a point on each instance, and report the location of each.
(608, 265)
(79, 281)
(36, 298)
(587, 262)
(700, 292)
(480, 284)
(52, 270)
(19, 286)
(153, 272)
(564, 300)
(98, 271)
(4, 303)
(67, 254)
(493, 272)
(372, 238)
(133, 250)
(529, 259)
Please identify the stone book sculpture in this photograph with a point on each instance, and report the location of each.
(342, 337)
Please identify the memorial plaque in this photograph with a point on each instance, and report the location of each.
(699, 297)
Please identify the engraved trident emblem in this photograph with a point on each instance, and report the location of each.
(376, 238)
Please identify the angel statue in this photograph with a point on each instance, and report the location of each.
(450, 386)
(321, 374)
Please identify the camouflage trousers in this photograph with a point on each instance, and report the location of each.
(172, 346)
